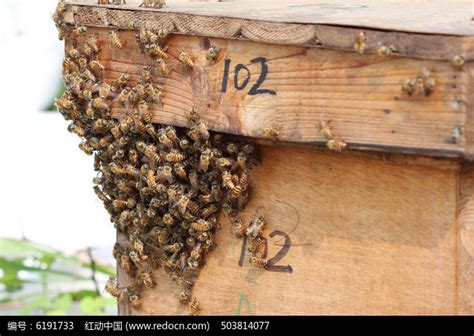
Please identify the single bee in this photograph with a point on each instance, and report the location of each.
(185, 296)
(146, 73)
(86, 148)
(175, 156)
(100, 194)
(123, 96)
(238, 228)
(120, 83)
(384, 50)
(91, 43)
(258, 262)
(336, 145)
(230, 184)
(104, 91)
(162, 67)
(201, 225)
(144, 111)
(112, 288)
(325, 129)
(185, 59)
(115, 40)
(134, 299)
(79, 131)
(153, 3)
(212, 52)
(359, 44)
(125, 263)
(100, 104)
(194, 307)
(205, 160)
(192, 115)
(79, 30)
(150, 152)
(155, 51)
(96, 65)
(146, 278)
(458, 61)
(272, 132)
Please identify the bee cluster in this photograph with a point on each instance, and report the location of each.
(163, 186)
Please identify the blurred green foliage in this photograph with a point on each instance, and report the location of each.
(60, 92)
(38, 280)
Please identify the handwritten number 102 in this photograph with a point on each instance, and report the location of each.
(242, 84)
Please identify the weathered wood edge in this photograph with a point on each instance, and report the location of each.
(428, 46)
(465, 241)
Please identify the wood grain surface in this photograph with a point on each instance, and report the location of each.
(367, 237)
(436, 33)
(250, 87)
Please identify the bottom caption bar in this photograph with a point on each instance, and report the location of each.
(153, 325)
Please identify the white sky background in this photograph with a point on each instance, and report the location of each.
(45, 188)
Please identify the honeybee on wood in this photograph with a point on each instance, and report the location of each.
(336, 145)
(91, 42)
(229, 183)
(155, 51)
(194, 307)
(115, 40)
(238, 228)
(146, 73)
(212, 52)
(154, 94)
(153, 3)
(125, 263)
(134, 299)
(96, 65)
(458, 61)
(258, 262)
(112, 288)
(123, 96)
(384, 50)
(162, 67)
(120, 83)
(144, 111)
(359, 44)
(147, 278)
(163, 139)
(185, 59)
(273, 131)
(325, 129)
(69, 66)
(185, 296)
(79, 30)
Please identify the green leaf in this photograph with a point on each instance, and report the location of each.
(96, 306)
(15, 265)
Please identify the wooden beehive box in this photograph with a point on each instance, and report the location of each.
(387, 227)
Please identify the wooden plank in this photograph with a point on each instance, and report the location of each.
(367, 237)
(361, 94)
(435, 16)
(206, 20)
(465, 244)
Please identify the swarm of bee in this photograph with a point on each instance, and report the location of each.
(163, 186)
(333, 143)
(422, 85)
